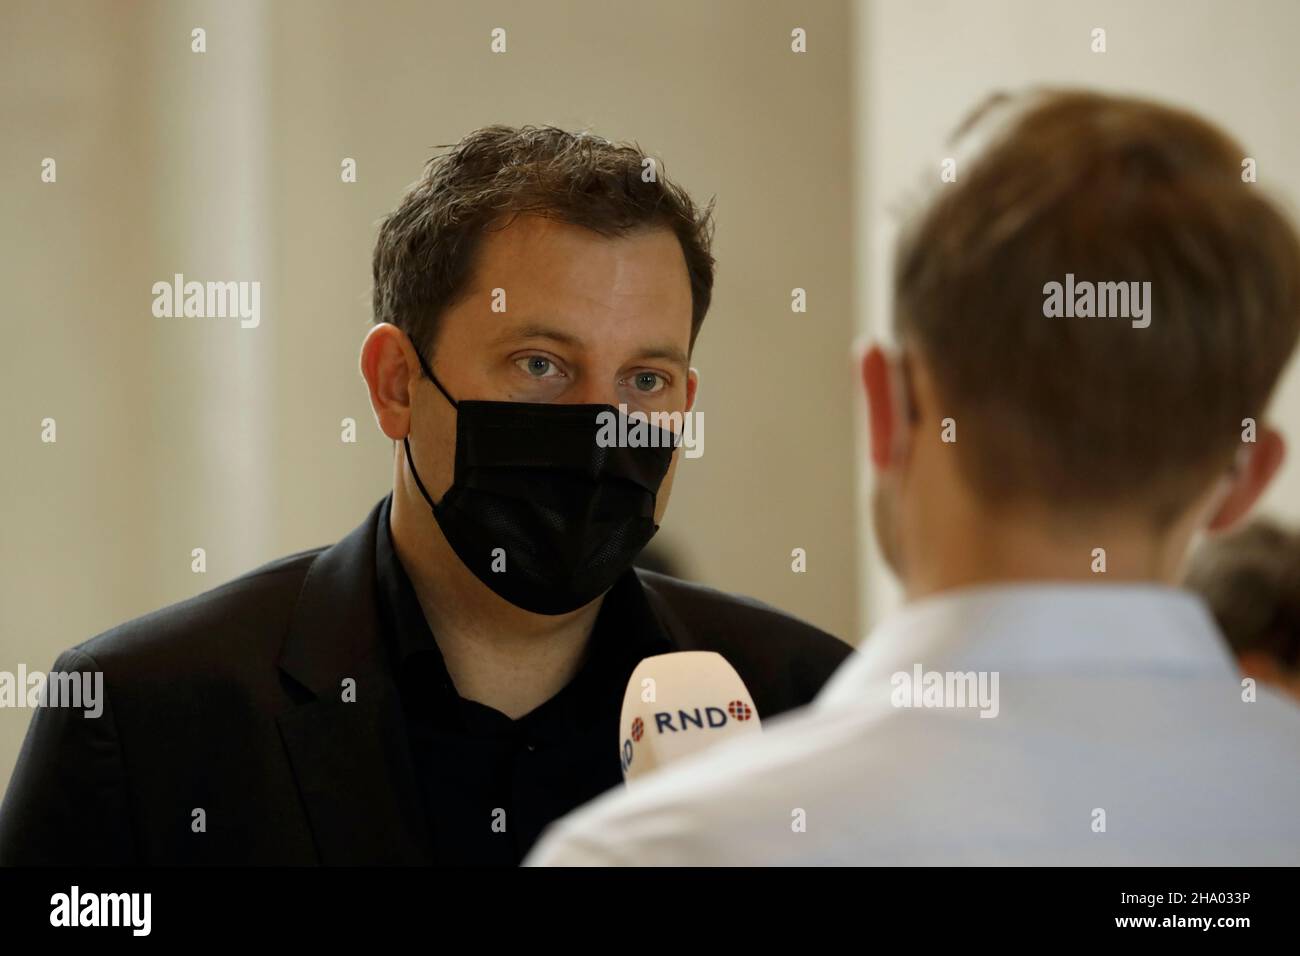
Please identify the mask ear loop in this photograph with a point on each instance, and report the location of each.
(428, 373)
(410, 463)
(406, 439)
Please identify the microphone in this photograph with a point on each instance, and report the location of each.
(678, 704)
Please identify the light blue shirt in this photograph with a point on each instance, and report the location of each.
(1051, 724)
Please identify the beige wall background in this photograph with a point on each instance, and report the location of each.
(182, 433)
(921, 65)
(175, 434)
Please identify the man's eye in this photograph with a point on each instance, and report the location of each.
(537, 366)
(647, 381)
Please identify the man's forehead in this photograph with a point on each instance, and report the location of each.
(538, 230)
(539, 285)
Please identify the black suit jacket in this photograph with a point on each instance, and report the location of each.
(230, 703)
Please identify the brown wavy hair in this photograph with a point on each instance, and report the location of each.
(424, 255)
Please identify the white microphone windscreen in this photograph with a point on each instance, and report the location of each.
(678, 704)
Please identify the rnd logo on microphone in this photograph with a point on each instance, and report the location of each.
(701, 718)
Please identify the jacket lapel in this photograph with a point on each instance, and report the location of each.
(351, 760)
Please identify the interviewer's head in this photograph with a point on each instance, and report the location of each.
(1071, 433)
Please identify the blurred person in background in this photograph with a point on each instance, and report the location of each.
(1251, 580)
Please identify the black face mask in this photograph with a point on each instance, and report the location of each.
(530, 479)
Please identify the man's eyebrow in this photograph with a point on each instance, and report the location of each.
(669, 352)
(537, 332)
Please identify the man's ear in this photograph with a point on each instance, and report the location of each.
(386, 367)
(887, 413)
(692, 386)
(1257, 463)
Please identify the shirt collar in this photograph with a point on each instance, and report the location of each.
(625, 632)
(1072, 629)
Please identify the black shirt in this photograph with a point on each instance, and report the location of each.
(491, 784)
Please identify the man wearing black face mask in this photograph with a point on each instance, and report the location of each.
(535, 481)
(447, 680)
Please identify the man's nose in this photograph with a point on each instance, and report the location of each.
(594, 390)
